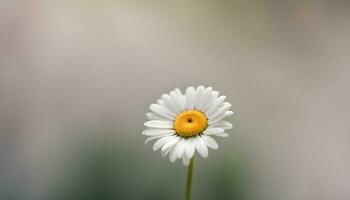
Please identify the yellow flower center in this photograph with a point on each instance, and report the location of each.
(190, 123)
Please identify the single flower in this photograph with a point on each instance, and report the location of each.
(182, 124)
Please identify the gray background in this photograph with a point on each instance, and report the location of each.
(77, 77)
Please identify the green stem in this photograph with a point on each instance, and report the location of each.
(189, 180)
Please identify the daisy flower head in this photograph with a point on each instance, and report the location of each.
(182, 124)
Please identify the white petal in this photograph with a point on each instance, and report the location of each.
(172, 155)
(185, 160)
(201, 147)
(220, 111)
(190, 95)
(159, 124)
(160, 102)
(208, 99)
(198, 101)
(154, 116)
(170, 143)
(222, 134)
(205, 99)
(216, 94)
(169, 103)
(162, 141)
(180, 148)
(166, 152)
(154, 132)
(178, 91)
(226, 114)
(182, 97)
(213, 131)
(190, 148)
(222, 124)
(156, 137)
(160, 110)
(178, 101)
(210, 142)
(216, 105)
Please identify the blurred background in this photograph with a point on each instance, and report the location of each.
(77, 77)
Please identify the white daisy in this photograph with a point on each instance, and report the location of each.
(182, 124)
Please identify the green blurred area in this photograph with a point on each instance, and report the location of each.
(111, 170)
